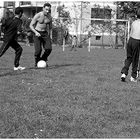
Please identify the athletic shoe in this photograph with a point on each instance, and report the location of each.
(138, 72)
(133, 79)
(123, 76)
(19, 68)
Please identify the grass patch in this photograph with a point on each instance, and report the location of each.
(80, 95)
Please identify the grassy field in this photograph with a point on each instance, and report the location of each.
(80, 95)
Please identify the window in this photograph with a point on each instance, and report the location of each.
(25, 3)
(98, 37)
(10, 3)
(101, 13)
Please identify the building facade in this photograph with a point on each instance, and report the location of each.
(82, 13)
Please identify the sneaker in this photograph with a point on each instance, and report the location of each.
(133, 79)
(123, 76)
(19, 68)
(138, 74)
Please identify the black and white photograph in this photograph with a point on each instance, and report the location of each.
(69, 69)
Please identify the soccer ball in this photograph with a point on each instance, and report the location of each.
(41, 64)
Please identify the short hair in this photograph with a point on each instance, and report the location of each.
(47, 4)
(18, 10)
(138, 13)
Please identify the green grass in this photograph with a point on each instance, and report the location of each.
(80, 95)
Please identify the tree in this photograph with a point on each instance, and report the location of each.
(78, 9)
(100, 26)
(63, 14)
(127, 9)
(61, 24)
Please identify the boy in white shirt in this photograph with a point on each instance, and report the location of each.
(132, 51)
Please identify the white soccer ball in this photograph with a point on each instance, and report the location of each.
(41, 64)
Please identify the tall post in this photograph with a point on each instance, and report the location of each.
(63, 44)
(116, 38)
(128, 28)
(59, 20)
(80, 39)
(103, 26)
(89, 44)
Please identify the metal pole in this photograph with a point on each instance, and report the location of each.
(63, 44)
(125, 38)
(128, 29)
(116, 38)
(81, 22)
(89, 44)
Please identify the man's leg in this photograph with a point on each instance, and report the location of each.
(138, 69)
(4, 48)
(18, 51)
(47, 47)
(46, 54)
(38, 49)
(72, 47)
(128, 60)
(135, 60)
(75, 48)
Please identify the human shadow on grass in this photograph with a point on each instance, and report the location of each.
(62, 65)
(11, 73)
(56, 66)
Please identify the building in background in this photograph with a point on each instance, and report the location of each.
(30, 8)
(81, 12)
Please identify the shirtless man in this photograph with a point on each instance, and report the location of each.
(41, 25)
(132, 50)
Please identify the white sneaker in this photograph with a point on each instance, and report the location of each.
(123, 76)
(138, 72)
(133, 79)
(19, 68)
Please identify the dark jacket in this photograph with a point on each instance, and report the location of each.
(10, 27)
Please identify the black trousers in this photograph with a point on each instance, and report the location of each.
(14, 44)
(44, 41)
(132, 51)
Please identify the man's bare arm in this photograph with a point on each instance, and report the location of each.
(50, 29)
(32, 24)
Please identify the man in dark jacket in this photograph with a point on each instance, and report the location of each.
(11, 28)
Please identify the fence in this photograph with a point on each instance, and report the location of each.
(101, 33)
(91, 32)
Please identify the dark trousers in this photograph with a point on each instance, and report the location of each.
(18, 50)
(132, 50)
(43, 41)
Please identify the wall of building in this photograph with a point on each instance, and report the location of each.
(76, 11)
